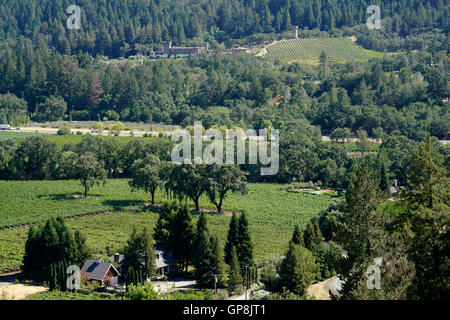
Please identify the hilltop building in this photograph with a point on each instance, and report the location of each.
(170, 50)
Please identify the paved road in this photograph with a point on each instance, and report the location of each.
(140, 133)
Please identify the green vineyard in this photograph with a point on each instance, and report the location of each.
(335, 48)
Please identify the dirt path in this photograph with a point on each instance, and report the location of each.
(320, 291)
(16, 291)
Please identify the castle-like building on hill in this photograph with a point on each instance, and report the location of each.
(168, 49)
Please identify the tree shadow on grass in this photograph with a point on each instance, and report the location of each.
(66, 196)
(56, 197)
(119, 205)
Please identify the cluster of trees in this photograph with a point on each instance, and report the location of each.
(119, 29)
(196, 245)
(58, 276)
(404, 93)
(308, 259)
(410, 236)
(49, 249)
(37, 158)
(303, 157)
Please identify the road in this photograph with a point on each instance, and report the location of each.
(140, 133)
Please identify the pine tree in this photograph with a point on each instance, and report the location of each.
(231, 238)
(298, 270)
(361, 228)
(427, 177)
(234, 276)
(428, 218)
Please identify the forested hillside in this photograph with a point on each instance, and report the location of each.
(48, 72)
(118, 28)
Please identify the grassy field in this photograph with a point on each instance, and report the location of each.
(308, 50)
(73, 138)
(5, 135)
(272, 214)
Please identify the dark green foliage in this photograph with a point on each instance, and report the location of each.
(221, 179)
(35, 159)
(147, 175)
(312, 235)
(202, 263)
(298, 270)
(244, 245)
(52, 280)
(181, 236)
(297, 236)
(384, 178)
(231, 238)
(164, 224)
(139, 254)
(361, 228)
(208, 257)
(90, 171)
(189, 181)
(49, 244)
(328, 255)
(428, 217)
(234, 276)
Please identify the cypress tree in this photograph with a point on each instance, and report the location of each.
(217, 260)
(318, 238)
(384, 179)
(197, 250)
(234, 277)
(52, 280)
(244, 246)
(231, 238)
(297, 236)
(308, 235)
(130, 276)
(203, 273)
(182, 236)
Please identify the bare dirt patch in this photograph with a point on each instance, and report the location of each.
(19, 291)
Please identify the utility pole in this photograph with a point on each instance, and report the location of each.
(246, 283)
(215, 282)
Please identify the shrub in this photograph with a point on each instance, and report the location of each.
(63, 131)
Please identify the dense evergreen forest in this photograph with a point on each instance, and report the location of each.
(402, 93)
(48, 72)
(118, 28)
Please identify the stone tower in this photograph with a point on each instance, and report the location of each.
(295, 32)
